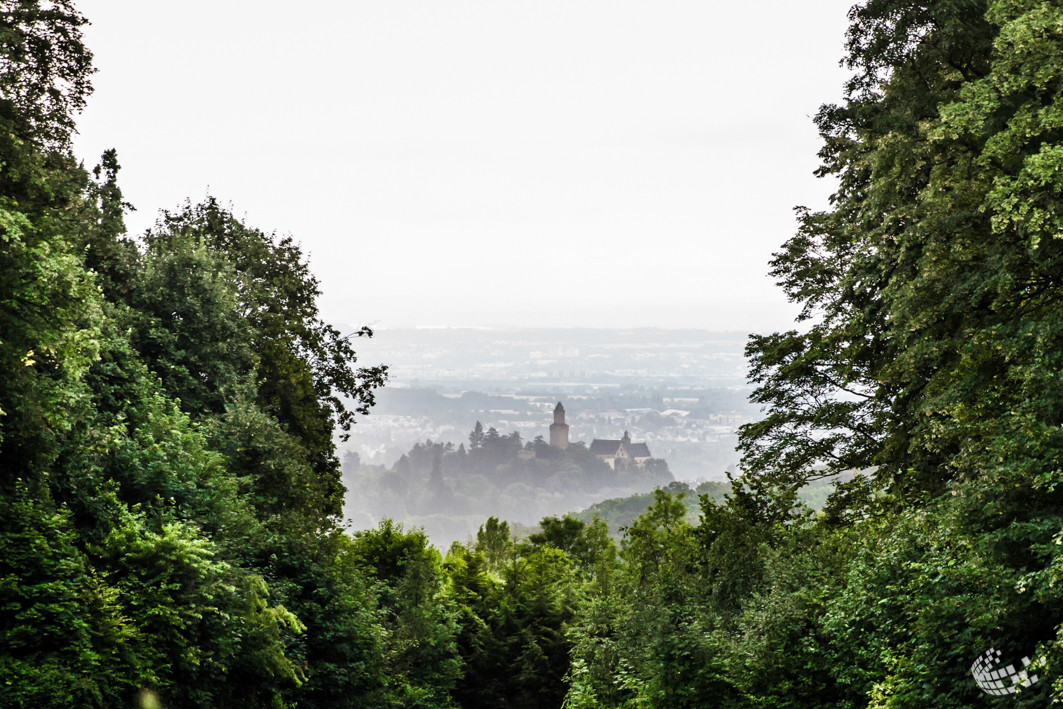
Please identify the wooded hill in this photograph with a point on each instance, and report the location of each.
(170, 497)
(450, 491)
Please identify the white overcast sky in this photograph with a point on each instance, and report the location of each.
(525, 163)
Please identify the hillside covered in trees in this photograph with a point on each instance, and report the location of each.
(171, 501)
(450, 491)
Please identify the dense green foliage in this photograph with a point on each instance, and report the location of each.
(931, 360)
(170, 495)
(168, 485)
(619, 513)
(169, 490)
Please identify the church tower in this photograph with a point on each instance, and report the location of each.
(559, 429)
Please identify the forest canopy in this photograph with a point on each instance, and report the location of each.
(171, 497)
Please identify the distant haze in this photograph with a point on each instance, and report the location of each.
(654, 311)
(592, 163)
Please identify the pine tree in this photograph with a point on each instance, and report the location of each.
(476, 438)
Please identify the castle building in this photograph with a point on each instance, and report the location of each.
(619, 453)
(559, 429)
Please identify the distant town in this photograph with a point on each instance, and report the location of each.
(684, 395)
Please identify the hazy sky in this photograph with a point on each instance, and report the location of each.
(524, 163)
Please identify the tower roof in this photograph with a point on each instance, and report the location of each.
(559, 407)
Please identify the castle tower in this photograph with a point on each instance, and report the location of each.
(559, 429)
(626, 439)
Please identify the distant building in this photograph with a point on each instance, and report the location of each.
(618, 453)
(559, 429)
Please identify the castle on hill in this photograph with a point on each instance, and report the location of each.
(614, 453)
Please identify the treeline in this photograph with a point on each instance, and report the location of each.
(450, 491)
(169, 492)
(619, 513)
(170, 495)
(931, 357)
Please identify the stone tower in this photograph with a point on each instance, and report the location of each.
(559, 429)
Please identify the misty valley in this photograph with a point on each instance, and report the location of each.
(469, 407)
(451, 492)
(216, 492)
